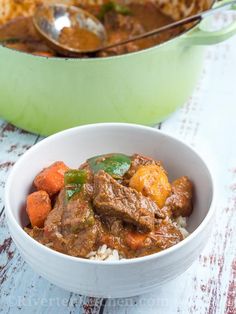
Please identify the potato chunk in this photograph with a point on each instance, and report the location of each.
(152, 181)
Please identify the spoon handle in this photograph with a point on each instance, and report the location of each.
(190, 19)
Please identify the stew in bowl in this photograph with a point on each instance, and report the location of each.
(112, 207)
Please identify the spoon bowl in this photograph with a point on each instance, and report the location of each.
(63, 27)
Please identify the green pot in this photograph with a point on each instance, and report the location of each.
(47, 95)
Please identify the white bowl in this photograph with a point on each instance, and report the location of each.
(126, 277)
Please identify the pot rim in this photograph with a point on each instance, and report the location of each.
(110, 58)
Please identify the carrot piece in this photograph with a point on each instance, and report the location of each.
(51, 179)
(38, 206)
(135, 240)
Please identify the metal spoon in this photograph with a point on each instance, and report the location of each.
(50, 21)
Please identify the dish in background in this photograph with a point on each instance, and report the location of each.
(145, 87)
(121, 21)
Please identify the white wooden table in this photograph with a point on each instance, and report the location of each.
(207, 122)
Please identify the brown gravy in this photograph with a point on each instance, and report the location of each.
(79, 38)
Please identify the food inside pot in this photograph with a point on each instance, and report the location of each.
(122, 20)
(112, 207)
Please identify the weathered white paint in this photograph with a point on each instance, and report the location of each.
(207, 122)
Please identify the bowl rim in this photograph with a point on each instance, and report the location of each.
(176, 247)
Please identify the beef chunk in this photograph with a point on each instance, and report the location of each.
(162, 237)
(77, 215)
(137, 161)
(71, 227)
(82, 243)
(119, 28)
(116, 200)
(180, 202)
(53, 222)
(128, 24)
(165, 235)
(113, 225)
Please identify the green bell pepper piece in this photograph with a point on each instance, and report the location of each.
(74, 180)
(114, 164)
(113, 6)
(72, 190)
(75, 176)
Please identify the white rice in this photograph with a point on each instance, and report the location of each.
(181, 224)
(105, 253)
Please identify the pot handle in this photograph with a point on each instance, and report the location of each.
(199, 36)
